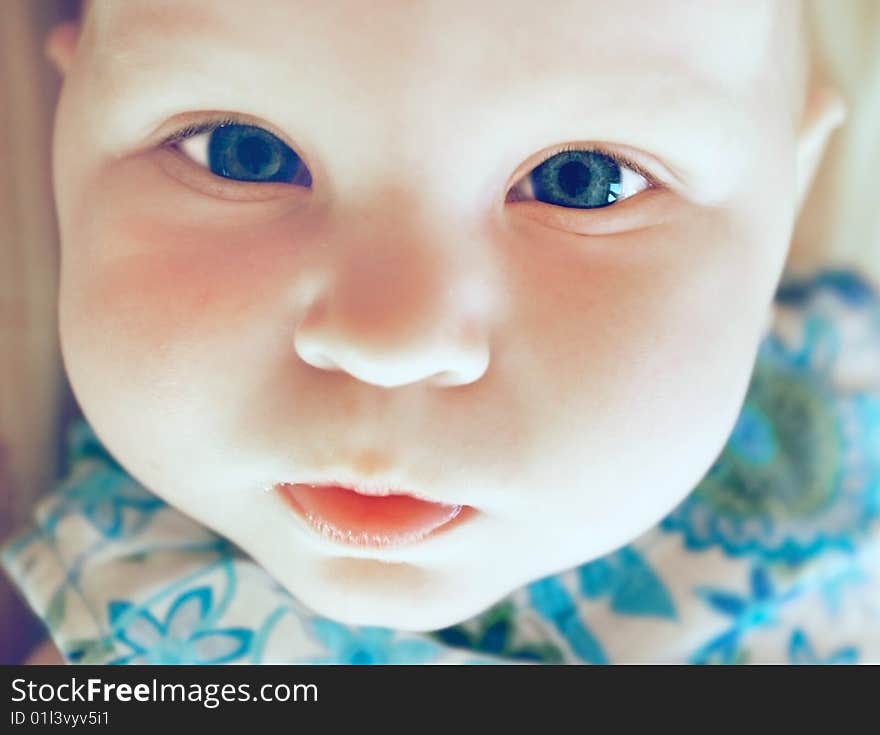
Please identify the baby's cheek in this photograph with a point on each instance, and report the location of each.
(640, 348)
(186, 313)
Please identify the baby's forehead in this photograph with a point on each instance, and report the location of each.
(730, 41)
(485, 82)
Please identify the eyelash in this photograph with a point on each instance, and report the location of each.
(618, 158)
(621, 160)
(198, 128)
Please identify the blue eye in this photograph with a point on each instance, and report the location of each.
(249, 153)
(244, 153)
(581, 179)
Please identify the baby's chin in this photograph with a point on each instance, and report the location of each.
(399, 596)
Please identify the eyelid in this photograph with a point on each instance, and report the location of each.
(620, 158)
(657, 176)
(196, 177)
(166, 142)
(646, 208)
(649, 208)
(207, 122)
(195, 125)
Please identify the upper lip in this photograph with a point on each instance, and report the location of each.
(377, 488)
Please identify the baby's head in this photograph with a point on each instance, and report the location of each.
(496, 255)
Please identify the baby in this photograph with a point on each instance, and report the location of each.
(419, 302)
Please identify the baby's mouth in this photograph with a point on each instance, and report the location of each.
(351, 517)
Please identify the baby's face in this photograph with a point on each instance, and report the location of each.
(385, 266)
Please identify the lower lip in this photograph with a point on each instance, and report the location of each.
(353, 519)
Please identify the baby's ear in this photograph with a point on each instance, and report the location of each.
(824, 112)
(61, 45)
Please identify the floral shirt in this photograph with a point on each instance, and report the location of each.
(774, 557)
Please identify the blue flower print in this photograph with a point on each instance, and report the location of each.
(114, 503)
(494, 632)
(821, 300)
(370, 645)
(183, 638)
(554, 602)
(755, 610)
(752, 437)
(800, 651)
(99, 489)
(633, 587)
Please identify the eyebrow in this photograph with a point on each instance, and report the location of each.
(690, 123)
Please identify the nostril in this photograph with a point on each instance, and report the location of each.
(319, 360)
(446, 378)
(308, 342)
(470, 366)
(311, 353)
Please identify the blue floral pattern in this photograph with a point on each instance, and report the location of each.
(181, 638)
(756, 609)
(112, 502)
(370, 645)
(772, 558)
(554, 602)
(627, 579)
(800, 651)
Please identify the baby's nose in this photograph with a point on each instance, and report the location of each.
(394, 317)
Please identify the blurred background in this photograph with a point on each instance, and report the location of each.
(34, 401)
(840, 225)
